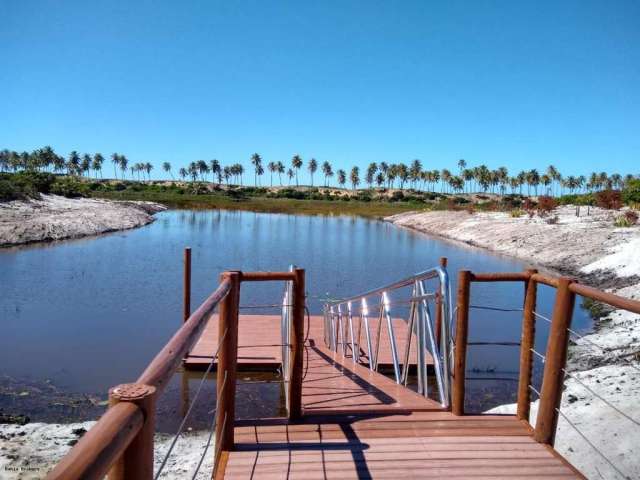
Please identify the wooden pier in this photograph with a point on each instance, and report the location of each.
(344, 420)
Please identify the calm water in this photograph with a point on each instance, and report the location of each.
(89, 314)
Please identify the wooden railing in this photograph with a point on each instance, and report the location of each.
(555, 358)
(121, 443)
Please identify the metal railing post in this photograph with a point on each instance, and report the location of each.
(227, 364)
(462, 329)
(438, 326)
(527, 343)
(555, 361)
(137, 459)
(186, 300)
(297, 346)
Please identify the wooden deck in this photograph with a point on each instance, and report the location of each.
(259, 343)
(360, 424)
(416, 445)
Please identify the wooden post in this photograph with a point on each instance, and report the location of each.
(527, 342)
(438, 325)
(137, 460)
(186, 311)
(297, 346)
(462, 332)
(227, 364)
(556, 359)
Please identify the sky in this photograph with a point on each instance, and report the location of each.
(502, 83)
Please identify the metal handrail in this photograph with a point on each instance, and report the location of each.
(285, 331)
(339, 328)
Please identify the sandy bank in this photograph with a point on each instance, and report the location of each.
(57, 218)
(30, 451)
(606, 361)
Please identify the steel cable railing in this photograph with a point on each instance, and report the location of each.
(212, 429)
(590, 343)
(192, 404)
(574, 426)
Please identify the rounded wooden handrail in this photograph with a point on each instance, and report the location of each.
(164, 364)
(546, 280)
(500, 277)
(102, 445)
(605, 297)
(266, 276)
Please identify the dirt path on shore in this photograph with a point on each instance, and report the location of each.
(57, 218)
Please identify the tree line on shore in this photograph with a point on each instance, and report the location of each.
(382, 175)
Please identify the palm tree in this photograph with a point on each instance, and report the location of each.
(183, 173)
(462, 164)
(280, 170)
(290, 174)
(312, 166)
(147, 168)
(85, 164)
(115, 159)
(166, 166)
(73, 166)
(272, 167)
(124, 161)
(214, 165)
(380, 179)
(327, 171)
(355, 177)
(371, 173)
(415, 171)
(296, 163)
(96, 165)
(342, 177)
(546, 181)
(256, 161)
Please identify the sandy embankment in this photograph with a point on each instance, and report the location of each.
(30, 451)
(608, 360)
(57, 218)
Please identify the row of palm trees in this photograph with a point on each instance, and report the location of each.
(383, 174)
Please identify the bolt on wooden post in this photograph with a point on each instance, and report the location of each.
(227, 363)
(555, 361)
(137, 460)
(297, 345)
(527, 343)
(462, 333)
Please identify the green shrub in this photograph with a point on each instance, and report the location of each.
(628, 219)
(631, 192)
(70, 187)
(516, 213)
(397, 196)
(8, 191)
(23, 185)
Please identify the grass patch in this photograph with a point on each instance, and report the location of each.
(370, 209)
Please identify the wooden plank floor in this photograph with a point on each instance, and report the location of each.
(335, 384)
(360, 424)
(259, 342)
(416, 445)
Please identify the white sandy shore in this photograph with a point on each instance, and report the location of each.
(30, 451)
(608, 360)
(56, 218)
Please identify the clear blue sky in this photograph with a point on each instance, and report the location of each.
(521, 84)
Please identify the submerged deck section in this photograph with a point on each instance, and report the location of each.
(259, 342)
